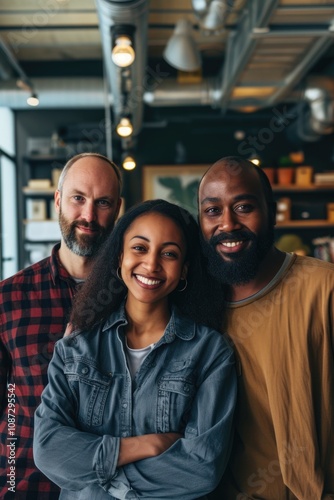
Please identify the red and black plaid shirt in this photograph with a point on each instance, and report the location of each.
(34, 307)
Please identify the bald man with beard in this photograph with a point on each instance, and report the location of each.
(279, 315)
(34, 307)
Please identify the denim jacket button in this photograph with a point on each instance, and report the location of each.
(84, 370)
(125, 405)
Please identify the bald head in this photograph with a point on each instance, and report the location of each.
(104, 161)
(237, 167)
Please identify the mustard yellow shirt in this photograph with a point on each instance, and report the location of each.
(283, 335)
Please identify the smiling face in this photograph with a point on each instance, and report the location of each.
(152, 261)
(88, 205)
(235, 222)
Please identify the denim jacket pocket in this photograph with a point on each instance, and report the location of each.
(90, 388)
(176, 391)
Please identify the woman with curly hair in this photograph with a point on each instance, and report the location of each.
(141, 396)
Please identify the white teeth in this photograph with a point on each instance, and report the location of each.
(231, 244)
(147, 281)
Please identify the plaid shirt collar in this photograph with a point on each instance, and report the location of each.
(57, 270)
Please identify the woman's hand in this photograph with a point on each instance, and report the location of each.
(146, 446)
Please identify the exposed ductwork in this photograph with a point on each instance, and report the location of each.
(56, 93)
(268, 52)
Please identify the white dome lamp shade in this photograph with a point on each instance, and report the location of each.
(181, 51)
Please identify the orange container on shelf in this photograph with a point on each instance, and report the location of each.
(304, 176)
(330, 212)
(285, 175)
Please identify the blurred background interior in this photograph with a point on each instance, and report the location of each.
(165, 88)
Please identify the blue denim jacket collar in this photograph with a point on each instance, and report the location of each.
(178, 326)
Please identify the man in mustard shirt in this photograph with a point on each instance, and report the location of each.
(280, 315)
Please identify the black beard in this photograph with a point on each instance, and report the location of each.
(242, 266)
(82, 245)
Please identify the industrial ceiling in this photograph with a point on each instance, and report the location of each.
(265, 53)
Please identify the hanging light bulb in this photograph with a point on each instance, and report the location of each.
(129, 163)
(255, 159)
(123, 54)
(124, 127)
(33, 100)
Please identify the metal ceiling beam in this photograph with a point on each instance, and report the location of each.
(241, 43)
(12, 61)
(301, 69)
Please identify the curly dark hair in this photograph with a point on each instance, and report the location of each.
(103, 291)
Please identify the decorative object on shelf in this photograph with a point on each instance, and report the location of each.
(39, 183)
(324, 248)
(304, 176)
(330, 212)
(283, 210)
(36, 209)
(297, 157)
(55, 174)
(308, 211)
(38, 145)
(324, 178)
(292, 243)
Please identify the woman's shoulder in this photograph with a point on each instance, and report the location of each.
(80, 342)
(205, 333)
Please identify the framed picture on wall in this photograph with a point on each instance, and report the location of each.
(175, 183)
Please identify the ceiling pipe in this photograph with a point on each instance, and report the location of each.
(127, 85)
(65, 92)
(56, 93)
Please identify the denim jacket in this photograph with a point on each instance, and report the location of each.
(187, 384)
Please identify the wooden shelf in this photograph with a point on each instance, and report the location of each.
(42, 192)
(316, 223)
(295, 187)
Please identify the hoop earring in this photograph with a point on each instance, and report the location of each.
(185, 285)
(118, 274)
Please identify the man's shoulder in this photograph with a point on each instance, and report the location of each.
(319, 272)
(314, 263)
(28, 274)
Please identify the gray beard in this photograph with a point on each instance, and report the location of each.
(83, 245)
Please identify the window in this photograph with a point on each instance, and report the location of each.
(8, 196)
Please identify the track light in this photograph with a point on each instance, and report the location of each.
(123, 53)
(129, 163)
(181, 51)
(212, 13)
(124, 127)
(33, 100)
